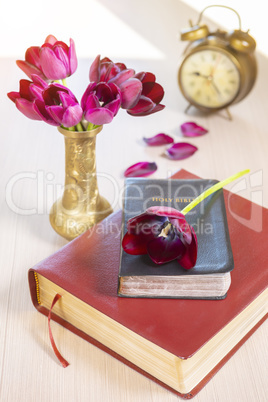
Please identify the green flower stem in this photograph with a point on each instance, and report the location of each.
(212, 190)
(64, 82)
(79, 127)
(91, 126)
(68, 128)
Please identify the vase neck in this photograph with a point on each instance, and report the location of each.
(80, 172)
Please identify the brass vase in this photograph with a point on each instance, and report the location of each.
(81, 205)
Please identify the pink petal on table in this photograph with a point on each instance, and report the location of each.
(159, 139)
(191, 129)
(141, 169)
(181, 150)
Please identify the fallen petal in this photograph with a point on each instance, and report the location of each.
(159, 139)
(141, 169)
(181, 150)
(191, 129)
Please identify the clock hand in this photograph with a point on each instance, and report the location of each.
(215, 87)
(200, 75)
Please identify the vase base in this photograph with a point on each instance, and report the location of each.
(71, 223)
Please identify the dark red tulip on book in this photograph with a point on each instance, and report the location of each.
(141, 169)
(164, 234)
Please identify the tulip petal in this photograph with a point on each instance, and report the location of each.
(13, 95)
(165, 211)
(32, 56)
(134, 245)
(41, 109)
(191, 129)
(114, 106)
(145, 76)
(56, 113)
(72, 57)
(141, 229)
(122, 77)
(26, 107)
(153, 90)
(24, 89)
(62, 56)
(66, 99)
(130, 92)
(72, 116)
(144, 106)
(99, 116)
(37, 80)
(165, 249)
(51, 40)
(29, 69)
(181, 150)
(188, 261)
(52, 67)
(159, 139)
(94, 71)
(141, 169)
(146, 224)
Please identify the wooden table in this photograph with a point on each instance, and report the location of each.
(31, 178)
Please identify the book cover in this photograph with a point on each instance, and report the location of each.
(209, 221)
(86, 269)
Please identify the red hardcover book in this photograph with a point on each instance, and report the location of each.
(180, 344)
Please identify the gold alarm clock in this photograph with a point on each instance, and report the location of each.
(218, 68)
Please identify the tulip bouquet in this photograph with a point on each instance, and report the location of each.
(164, 233)
(112, 86)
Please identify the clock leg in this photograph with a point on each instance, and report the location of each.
(188, 107)
(229, 114)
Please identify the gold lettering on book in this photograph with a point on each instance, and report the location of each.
(181, 199)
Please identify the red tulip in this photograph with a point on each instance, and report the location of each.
(164, 234)
(151, 96)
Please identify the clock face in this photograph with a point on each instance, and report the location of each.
(209, 78)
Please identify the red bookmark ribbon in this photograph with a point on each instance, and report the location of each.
(63, 362)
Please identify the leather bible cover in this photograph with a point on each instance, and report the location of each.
(208, 220)
(87, 267)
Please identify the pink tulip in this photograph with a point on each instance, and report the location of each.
(105, 70)
(54, 60)
(59, 106)
(29, 92)
(101, 102)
